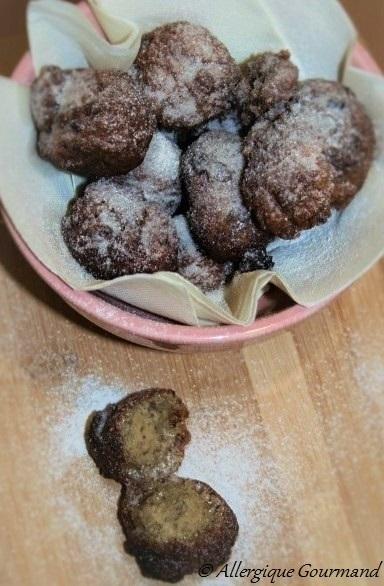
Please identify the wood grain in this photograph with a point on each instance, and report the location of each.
(316, 390)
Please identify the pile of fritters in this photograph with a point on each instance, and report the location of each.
(195, 163)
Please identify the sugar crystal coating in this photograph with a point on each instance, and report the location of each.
(188, 74)
(211, 170)
(112, 233)
(268, 82)
(93, 123)
(313, 157)
(341, 122)
(309, 151)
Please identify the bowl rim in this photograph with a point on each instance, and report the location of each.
(139, 329)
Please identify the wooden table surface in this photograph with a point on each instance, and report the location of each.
(314, 393)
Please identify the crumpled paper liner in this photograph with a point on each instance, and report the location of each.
(58, 35)
(319, 38)
(35, 195)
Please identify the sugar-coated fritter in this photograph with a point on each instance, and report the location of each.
(347, 131)
(188, 74)
(314, 157)
(211, 171)
(268, 82)
(93, 123)
(112, 232)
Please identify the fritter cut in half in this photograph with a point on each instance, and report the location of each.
(178, 527)
(140, 439)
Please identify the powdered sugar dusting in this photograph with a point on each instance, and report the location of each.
(229, 450)
(368, 357)
(77, 400)
(233, 457)
(370, 377)
(80, 505)
(78, 89)
(229, 122)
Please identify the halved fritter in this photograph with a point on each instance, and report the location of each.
(177, 527)
(141, 438)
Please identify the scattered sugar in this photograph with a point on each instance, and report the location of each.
(232, 458)
(76, 401)
(362, 406)
(185, 237)
(78, 88)
(229, 450)
(81, 504)
(370, 377)
(368, 355)
(85, 509)
(162, 160)
(231, 454)
(187, 108)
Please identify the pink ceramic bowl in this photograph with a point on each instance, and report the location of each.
(276, 310)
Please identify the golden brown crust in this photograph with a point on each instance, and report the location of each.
(139, 439)
(164, 557)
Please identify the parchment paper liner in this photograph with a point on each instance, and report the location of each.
(312, 268)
